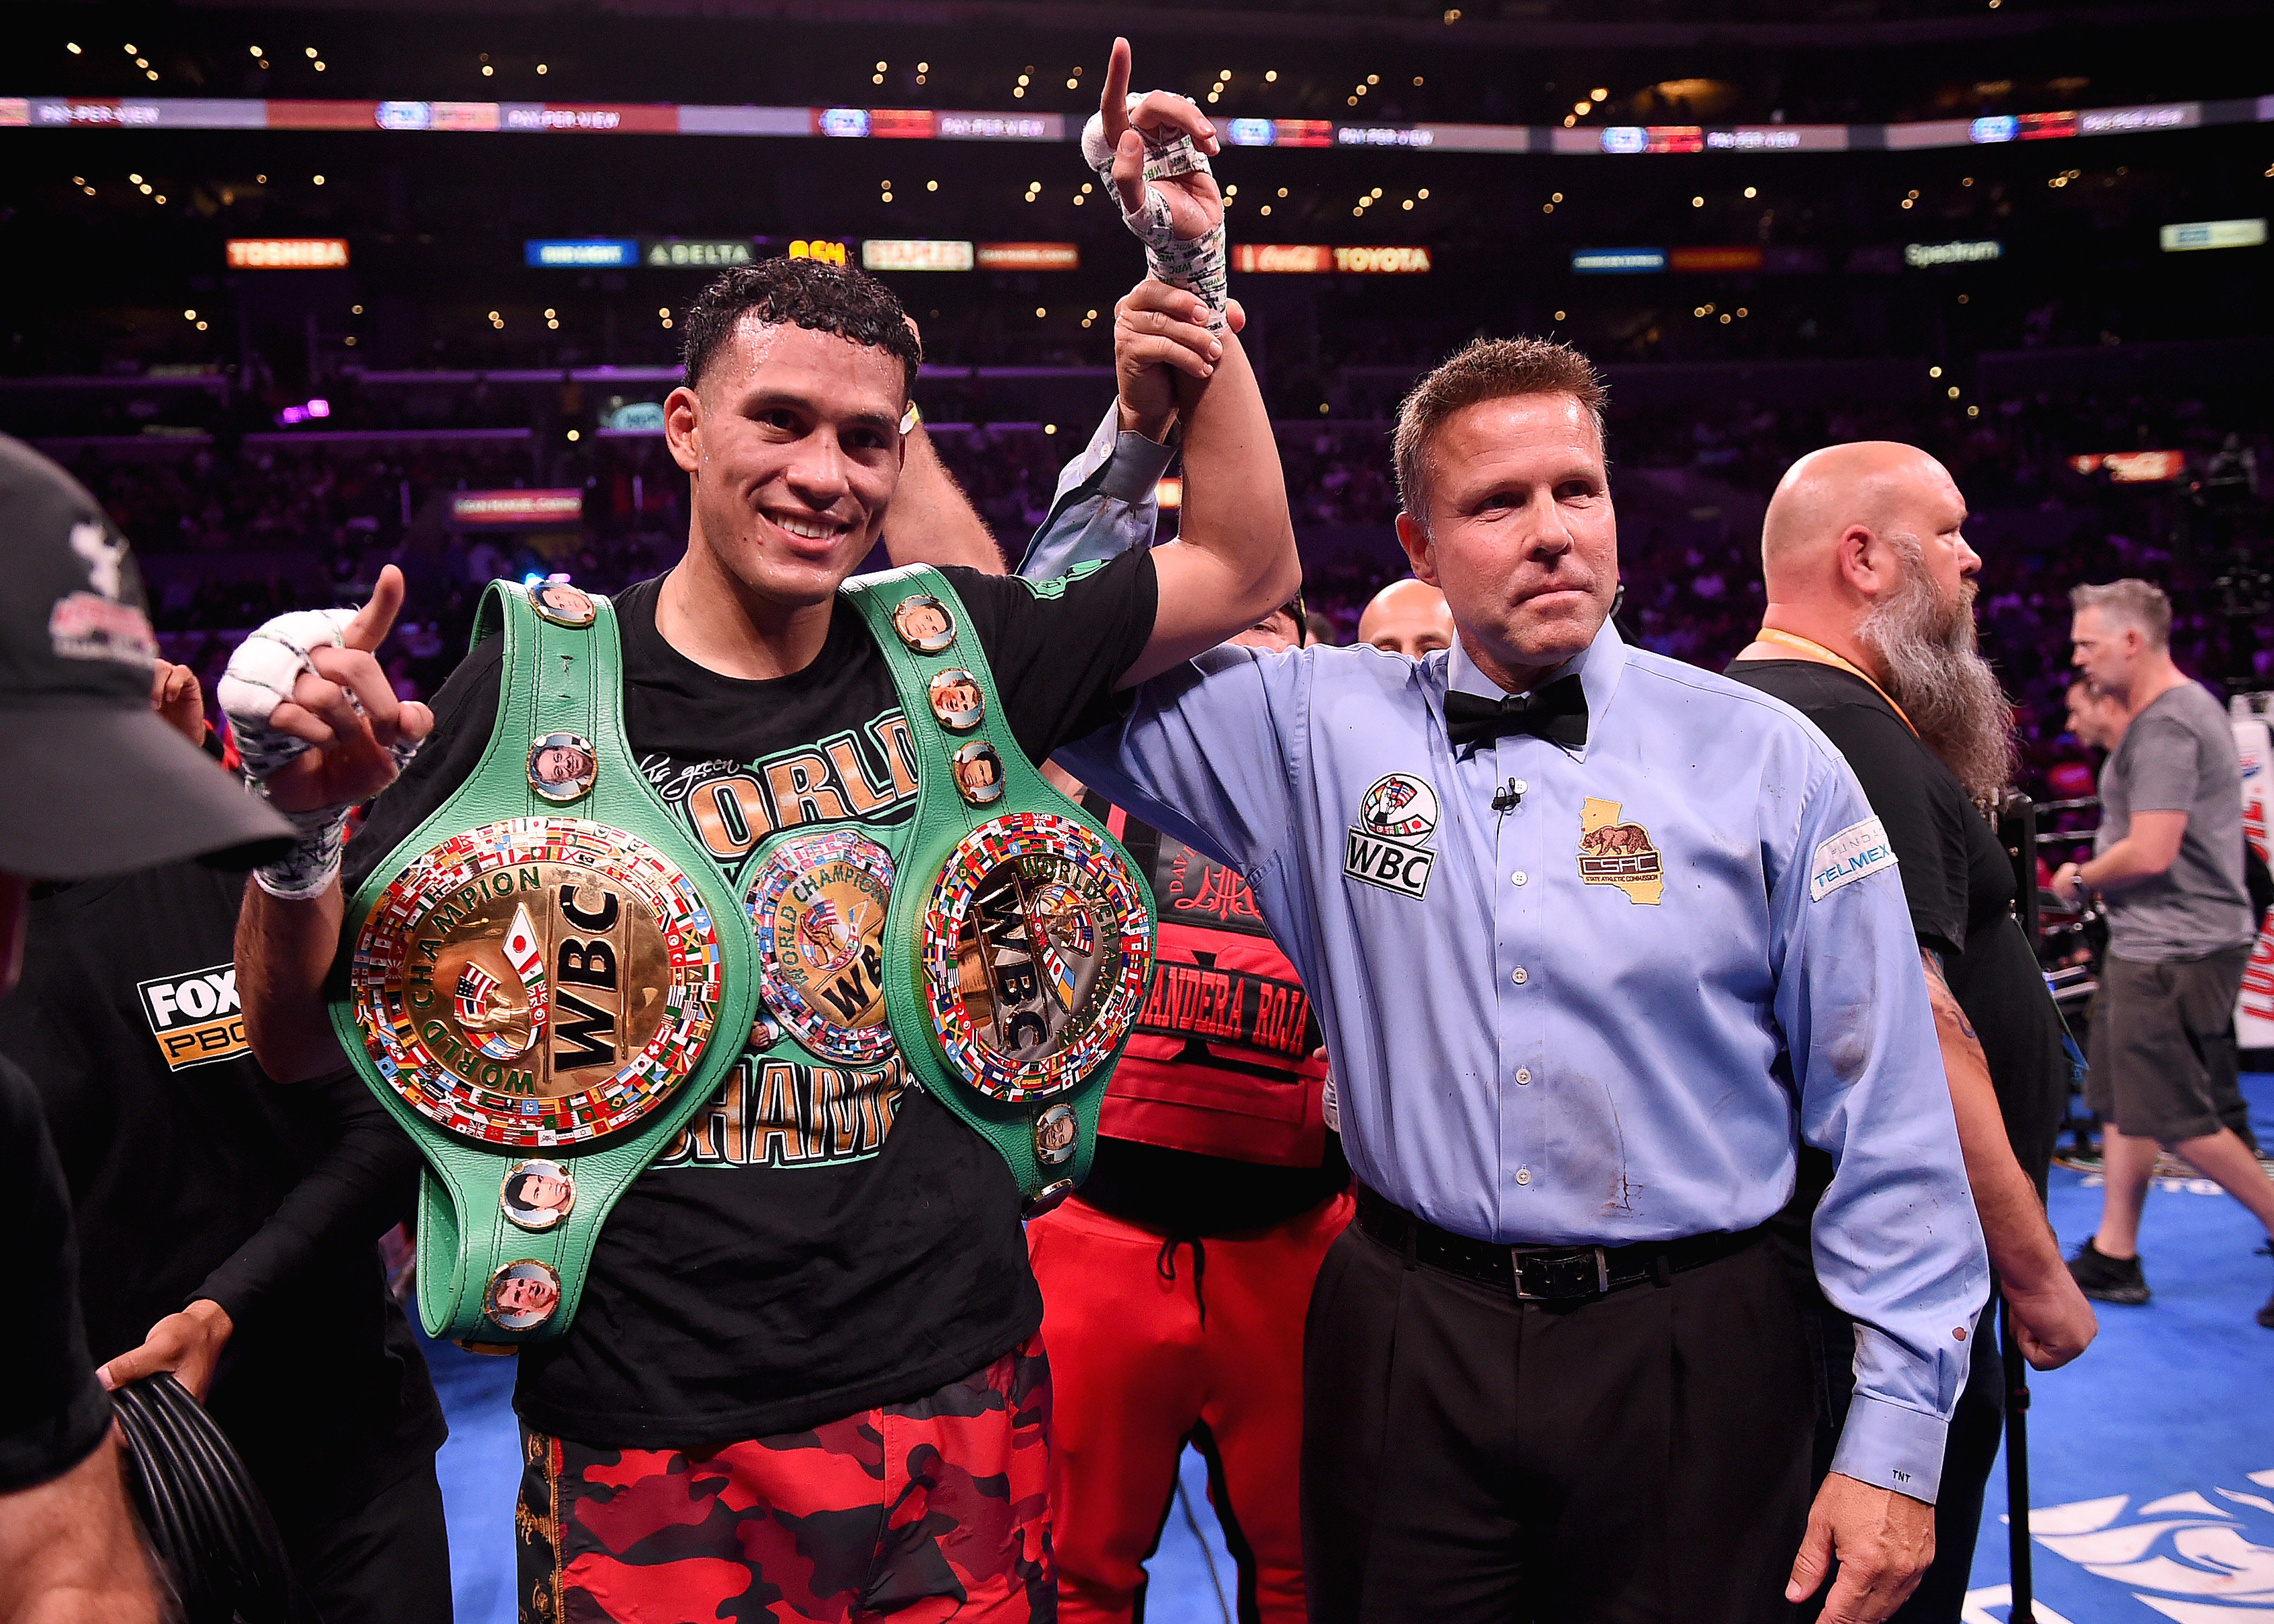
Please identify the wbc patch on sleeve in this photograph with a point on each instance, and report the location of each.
(1858, 849)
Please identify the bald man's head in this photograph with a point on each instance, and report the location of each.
(1864, 543)
(1880, 488)
(1409, 618)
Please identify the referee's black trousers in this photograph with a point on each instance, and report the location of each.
(1642, 1456)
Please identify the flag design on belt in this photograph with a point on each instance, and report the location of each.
(527, 957)
(475, 986)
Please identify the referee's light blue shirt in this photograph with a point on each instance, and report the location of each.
(1545, 1035)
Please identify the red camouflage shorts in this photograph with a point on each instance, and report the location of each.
(934, 1509)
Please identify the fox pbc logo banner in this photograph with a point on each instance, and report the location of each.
(1613, 852)
(195, 1017)
(1388, 843)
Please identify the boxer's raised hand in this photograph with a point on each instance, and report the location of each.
(344, 705)
(1153, 152)
(1147, 132)
(318, 724)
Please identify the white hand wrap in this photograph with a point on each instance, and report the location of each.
(261, 675)
(1197, 265)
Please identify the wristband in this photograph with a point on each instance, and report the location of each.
(1197, 265)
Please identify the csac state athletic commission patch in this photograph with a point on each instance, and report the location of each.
(1389, 845)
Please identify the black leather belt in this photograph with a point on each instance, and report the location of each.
(1543, 1273)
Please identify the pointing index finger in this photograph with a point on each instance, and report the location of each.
(1113, 101)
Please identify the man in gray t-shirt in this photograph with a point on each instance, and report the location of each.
(2168, 862)
(2178, 755)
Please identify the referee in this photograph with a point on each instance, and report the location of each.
(1597, 940)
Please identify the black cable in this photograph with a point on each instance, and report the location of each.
(155, 1496)
(221, 1533)
(206, 1519)
(265, 1560)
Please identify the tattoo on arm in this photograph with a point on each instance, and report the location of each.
(1937, 982)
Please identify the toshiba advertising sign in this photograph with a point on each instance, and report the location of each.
(287, 253)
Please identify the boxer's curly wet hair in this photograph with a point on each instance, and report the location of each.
(799, 293)
(1490, 369)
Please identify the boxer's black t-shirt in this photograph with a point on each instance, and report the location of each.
(789, 1260)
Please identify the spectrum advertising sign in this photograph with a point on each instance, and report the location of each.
(1927, 256)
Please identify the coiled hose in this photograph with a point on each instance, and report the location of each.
(206, 1520)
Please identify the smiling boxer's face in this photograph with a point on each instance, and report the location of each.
(793, 440)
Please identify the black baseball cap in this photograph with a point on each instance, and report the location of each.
(97, 783)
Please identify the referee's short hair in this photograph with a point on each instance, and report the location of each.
(803, 293)
(1490, 369)
(2140, 605)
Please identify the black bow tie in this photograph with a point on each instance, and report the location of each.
(1557, 713)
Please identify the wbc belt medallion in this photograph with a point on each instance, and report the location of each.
(537, 981)
(818, 904)
(1037, 955)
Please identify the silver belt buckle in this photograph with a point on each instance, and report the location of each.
(1573, 1287)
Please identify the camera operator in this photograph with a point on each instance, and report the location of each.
(76, 661)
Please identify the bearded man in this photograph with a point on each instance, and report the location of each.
(1870, 633)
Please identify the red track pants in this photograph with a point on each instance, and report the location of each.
(1136, 1366)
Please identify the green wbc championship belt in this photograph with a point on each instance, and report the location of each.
(549, 979)
(1019, 957)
